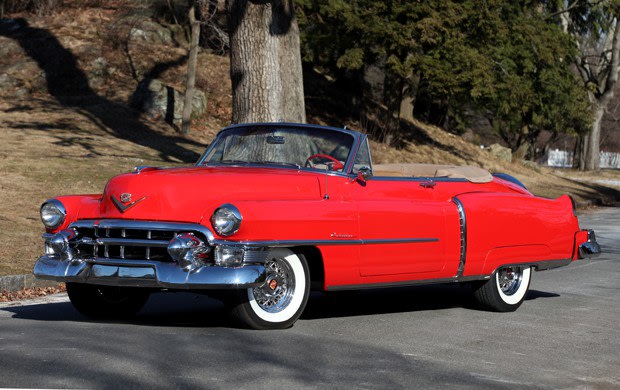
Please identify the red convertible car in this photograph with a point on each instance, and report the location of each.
(271, 211)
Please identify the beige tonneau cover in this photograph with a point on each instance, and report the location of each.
(468, 172)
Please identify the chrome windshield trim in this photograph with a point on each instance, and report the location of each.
(350, 158)
(463, 234)
(348, 167)
(276, 166)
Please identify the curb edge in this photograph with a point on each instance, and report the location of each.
(12, 283)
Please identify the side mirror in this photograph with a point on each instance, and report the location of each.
(364, 174)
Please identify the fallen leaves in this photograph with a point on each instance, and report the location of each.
(30, 293)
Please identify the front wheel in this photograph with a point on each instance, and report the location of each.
(278, 302)
(506, 289)
(106, 302)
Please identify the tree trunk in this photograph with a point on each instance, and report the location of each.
(191, 71)
(265, 62)
(593, 152)
(606, 79)
(582, 152)
(392, 97)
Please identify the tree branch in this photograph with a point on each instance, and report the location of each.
(612, 74)
(574, 5)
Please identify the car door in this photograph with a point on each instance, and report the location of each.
(402, 225)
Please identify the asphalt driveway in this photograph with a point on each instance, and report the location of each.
(566, 335)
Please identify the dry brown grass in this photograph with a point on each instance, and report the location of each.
(447, 148)
(49, 149)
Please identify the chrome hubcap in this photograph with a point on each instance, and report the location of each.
(276, 293)
(509, 279)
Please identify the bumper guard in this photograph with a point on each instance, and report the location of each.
(590, 248)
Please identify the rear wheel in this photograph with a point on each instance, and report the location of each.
(506, 289)
(278, 302)
(106, 301)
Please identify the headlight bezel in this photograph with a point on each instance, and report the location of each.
(55, 207)
(226, 220)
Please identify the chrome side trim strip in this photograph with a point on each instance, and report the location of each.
(542, 265)
(551, 264)
(463, 229)
(290, 243)
(389, 284)
(538, 265)
(166, 226)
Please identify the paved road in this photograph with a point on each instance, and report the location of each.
(565, 336)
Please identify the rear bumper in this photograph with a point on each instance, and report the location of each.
(590, 248)
(145, 273)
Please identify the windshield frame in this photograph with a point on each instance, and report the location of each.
(357, 136)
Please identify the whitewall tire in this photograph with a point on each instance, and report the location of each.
(278, 302)
(506, 289)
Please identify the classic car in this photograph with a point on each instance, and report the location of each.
(273, 210)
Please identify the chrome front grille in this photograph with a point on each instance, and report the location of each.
(129, 240)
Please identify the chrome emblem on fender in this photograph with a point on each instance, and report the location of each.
(125, 197)
(123, 204)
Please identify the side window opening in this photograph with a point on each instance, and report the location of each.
(362, 159)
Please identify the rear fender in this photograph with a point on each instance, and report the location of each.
(515, 255)
(505, 228)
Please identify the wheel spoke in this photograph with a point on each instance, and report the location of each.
(278, 289)
(509, 280)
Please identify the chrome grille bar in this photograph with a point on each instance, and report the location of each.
(148, 249)
(130, 240)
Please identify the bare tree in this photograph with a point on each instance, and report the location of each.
(600, 77)
(265, 61)
(191, 69)
(598, 63)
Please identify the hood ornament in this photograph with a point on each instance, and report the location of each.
(125, 202)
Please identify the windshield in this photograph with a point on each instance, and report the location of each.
(313, 148)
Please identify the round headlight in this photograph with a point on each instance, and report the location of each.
(53, 213)
(226, 220)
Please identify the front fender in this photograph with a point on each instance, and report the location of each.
(293, 220)
(77, 207)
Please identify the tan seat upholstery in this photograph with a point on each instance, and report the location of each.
(468, 172)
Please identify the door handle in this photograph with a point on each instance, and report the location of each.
(428, 184)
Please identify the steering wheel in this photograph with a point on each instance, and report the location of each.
(337, 164)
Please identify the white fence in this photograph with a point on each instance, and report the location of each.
(564, 159)
(560, 158)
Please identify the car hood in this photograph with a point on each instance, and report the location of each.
(191, 194)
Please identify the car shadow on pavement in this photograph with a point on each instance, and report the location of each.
(398, 300)
(162, 309)
(194, 310)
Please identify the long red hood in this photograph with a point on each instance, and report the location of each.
(189, 194)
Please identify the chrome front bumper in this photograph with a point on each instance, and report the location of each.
(590, 248)
(145, 273)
